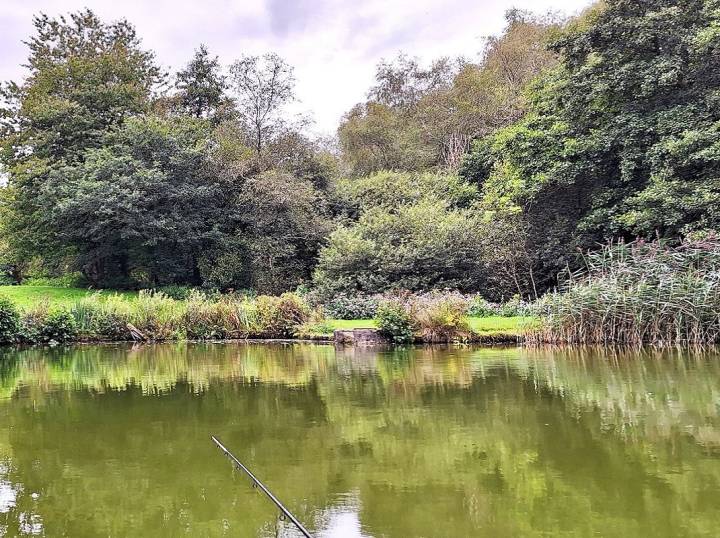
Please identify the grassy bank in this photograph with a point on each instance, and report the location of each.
(54, 314)
(31, 296)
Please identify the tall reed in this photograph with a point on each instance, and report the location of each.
(637, 293)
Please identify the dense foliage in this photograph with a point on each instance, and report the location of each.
(138, 208)
(413, 232)
(9, 321)
(112, 176)
(420, 117)
(396, 323)
(486, 177)
(620, 140)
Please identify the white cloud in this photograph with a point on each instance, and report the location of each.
(334, 45)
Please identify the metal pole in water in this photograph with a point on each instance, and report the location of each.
(259, 484)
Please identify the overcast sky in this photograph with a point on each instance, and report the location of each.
(334, 45)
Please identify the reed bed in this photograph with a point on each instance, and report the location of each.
(634, 294)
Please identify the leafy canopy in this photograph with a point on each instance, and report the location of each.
(621, 139)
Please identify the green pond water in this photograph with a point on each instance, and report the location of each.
(103, 441)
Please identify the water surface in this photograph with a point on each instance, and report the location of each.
(428, 442)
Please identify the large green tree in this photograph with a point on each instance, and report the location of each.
(277, 225)
(201, 87)
(141, 209)
(85, 78)
(622, 139)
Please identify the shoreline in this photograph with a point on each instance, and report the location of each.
(484, 341)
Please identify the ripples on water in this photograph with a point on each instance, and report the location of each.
(431, 442)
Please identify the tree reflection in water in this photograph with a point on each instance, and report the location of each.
(114, 440)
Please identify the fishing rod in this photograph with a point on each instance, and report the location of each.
(259, 484)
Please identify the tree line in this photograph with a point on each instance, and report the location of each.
(492, 175)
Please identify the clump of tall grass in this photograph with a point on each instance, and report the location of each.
(157, 316)
(31, 323)
(204, 319)
(432, 317)
(442, 318)
(637, 293)
(211, 318)
(152, 315)
(101, 317)
(281, 317)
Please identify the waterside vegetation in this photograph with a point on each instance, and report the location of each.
(501, 176)
(155, 316)
(635, 294)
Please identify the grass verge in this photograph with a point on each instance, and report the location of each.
(29, 296)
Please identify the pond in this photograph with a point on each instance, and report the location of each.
(422, 442)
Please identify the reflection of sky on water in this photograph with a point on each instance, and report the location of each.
(8, 495)
(341, 520)
(27, 524)
(30, 524)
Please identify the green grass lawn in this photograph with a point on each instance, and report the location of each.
(27, 296)
(352, 323)
(497, 324)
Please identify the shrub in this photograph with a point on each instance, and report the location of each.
(395, 322)
(395, 189)
(84, 312)
(102, 318)
(243, 318)
(59, 326)
(9, 321)
(441, 317)
(280, 317)
(478, 307)
(69, 280)
(417, 247)
(206, 319)
(44, 325)
(515, 307)
(345, 306)
(31, 323)
(157, 316)
(111, 325)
